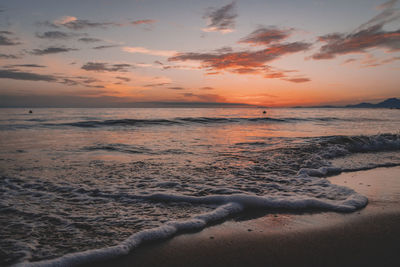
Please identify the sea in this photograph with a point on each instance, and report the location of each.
(79, 185)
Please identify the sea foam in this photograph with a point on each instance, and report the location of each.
(227, 205)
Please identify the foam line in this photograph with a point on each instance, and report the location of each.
(229, 205)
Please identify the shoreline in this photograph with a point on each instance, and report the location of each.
(367, 237)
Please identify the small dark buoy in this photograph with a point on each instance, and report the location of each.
(264, 112)
(30, 111)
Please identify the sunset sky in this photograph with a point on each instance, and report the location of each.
(261, 52)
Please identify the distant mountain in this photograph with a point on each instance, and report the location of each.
(388, 103)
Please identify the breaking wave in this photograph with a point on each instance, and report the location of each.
(197, 120)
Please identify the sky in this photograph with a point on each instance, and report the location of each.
(258, 52)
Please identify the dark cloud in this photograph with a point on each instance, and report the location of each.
(297, 80)
(82, 81)
(51, 50)
(6, 39)
(5, 56)
(367, 36)
(104, 46)
(30, 76)
(101, 67)
(89, 40)
(80, 24)
(143, 21)
(69, 82)
(349, 60)
(165, 67)
(55, 35)
(206, 88)
(176, 88)
(155, 84)
(88, 80)
(26, 66)
(96, 86)
(26, 76)
(389, 14)
(225, 49)
(125, 79)
(266, 36)
(221, 19)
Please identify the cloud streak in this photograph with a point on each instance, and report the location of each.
(6, 40)
(74, 23)
(206, 88)
(89, 40)
(104, 46)
(125, 79)
(51, 50)
(55, 35)
(105, 67)
(221, 19)
(26, 76)
(156, 84)
(266, 36)
(8, 56)
(16, 74)
(26, 66)
(368, 36)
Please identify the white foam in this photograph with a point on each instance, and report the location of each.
(167, 230)
(228, 205)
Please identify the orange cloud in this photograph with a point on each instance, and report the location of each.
(244, 62)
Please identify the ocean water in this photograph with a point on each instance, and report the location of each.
(83, 184)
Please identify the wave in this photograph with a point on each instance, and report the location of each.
(167, 122)
(315, 193)
(196, 120)
(336, 146)
(228, 206)
(131, 149)
(128, 122)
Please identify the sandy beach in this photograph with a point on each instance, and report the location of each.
(368, 237)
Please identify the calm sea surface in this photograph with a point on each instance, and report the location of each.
(105, 180)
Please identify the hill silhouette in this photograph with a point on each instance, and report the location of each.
(388, 103)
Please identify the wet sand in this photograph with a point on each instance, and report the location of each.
(368, 237)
